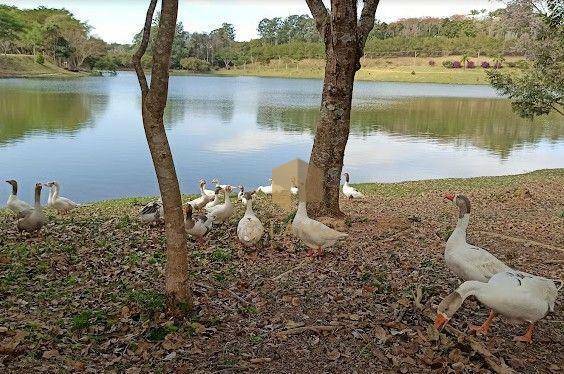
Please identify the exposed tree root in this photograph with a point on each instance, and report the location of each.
(522, 241)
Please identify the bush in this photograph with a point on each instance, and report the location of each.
(456, 65)
(195, 64)
(498, 65)
(40, 59)
(512, 64)
(485, 64)
(522, 64)
(431, 62)
(447, 64)
(470, 64)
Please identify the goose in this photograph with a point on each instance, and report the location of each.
(313, 233)
(514, 294)
(201, 201)
(467, 261)
(241, 195)
(152, 212)
(215, 182)
(34, 219)
(293, 188)
(19, 207)
(222, 212)
(267, 190)
(215, 202)
(249, 229)
(61, 204)
(197, 226)
(349, 191)
(203, 189)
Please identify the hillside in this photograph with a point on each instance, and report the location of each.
(24, 66)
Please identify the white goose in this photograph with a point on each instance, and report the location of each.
(267, 190)
(241, 194)
(215, 182)
(313, 233)
(19, 207)
(210, 193)
(201, 201)
(294, 190)
(467, 261)
(222, 212)
(349, 191)
(517, 295)
(249, 229)
(61, 204)
(215, 202)
(197, 226)
(34, 219)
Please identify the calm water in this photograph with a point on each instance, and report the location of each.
(87, 133)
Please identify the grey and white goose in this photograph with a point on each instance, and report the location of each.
(197, 225)
(34, 220)
(19, 207)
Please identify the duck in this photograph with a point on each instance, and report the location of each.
(267, 190)
(249, 228)
(294, 190)
(210, 193)
(467, 261)
(197, 226)
(349, 191)
(314, 234)
(216, 201)
(61, 204)
(201, 201)
(19, 207)
(152, 212)
(34, 219)
(514, 294)
(222, 212)
(241, 195)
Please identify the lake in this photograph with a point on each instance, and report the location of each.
(87, 133)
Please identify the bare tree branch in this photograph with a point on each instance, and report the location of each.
(319, 13)
(136, 59)
(367, 18)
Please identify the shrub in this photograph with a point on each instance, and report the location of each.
(431, 62)
(470, 64)
(522, 64)
(456, 64)
(195, 64)
(447, 64)
(485, 64)
(40, 59)
(512, 64)
(498, 65)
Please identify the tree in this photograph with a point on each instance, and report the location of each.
(539, 89)
(153, 102)
(10, 26)
(344, 35)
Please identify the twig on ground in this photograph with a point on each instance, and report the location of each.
(221, 286)
(522, 241)
(298, 266)
(493, 362)
(314, 328)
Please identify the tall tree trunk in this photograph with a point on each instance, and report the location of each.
(344, 36)
(179, 295)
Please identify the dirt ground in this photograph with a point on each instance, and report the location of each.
(87, 296)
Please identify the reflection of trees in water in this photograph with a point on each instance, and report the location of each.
(486, 123)
(24, 112)
(177, 109)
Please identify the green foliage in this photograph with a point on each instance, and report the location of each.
(148, 301)
(447, 64)
(40, 59)
(195, 64)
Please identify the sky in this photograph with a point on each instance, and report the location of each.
(118, 20)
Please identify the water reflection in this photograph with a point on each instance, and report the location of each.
(485, 123)
(26, 112)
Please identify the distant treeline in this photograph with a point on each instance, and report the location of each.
(57, 35)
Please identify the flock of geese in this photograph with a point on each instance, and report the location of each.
(515, 294)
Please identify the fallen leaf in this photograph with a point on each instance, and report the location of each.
(333, 355)
(49, 354)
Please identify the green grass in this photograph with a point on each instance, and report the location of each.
(24, 66)
(394, 69)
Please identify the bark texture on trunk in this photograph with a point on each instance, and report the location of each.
(153, 98)
(344, 35)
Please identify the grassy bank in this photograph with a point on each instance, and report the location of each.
(394, 69)
(88, 295)
(24, 66)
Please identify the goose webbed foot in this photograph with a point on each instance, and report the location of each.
(527, 337)
(484, 328)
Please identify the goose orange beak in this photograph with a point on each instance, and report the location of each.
(449, 196)
(440, 321)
